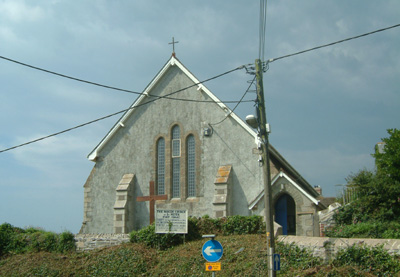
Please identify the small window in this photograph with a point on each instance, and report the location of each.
(176, 142)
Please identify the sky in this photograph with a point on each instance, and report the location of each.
(327, 108)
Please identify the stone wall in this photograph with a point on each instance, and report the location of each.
(326, 248)
(323, 247)
(85, 242)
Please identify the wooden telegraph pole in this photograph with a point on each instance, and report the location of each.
(263, 135)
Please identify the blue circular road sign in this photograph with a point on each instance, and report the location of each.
(212, 250)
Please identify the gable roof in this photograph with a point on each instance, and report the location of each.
(284, 175)
(173, 61)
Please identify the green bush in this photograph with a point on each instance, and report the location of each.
(17, 240)
(350, 214)
(198, 227)
(66, 242)
(239, 225)
(12, 240)
(148, 236)
(6, 232)
(391, 234)
(207, 225)
(373, 260)
(293, 256)
(369, 229)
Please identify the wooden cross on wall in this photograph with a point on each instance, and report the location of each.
(152, 198)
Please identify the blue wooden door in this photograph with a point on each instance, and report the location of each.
(281, 213)
(285, 214)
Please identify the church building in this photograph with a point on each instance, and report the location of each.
(165, 153)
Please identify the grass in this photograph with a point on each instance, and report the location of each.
(136, 259)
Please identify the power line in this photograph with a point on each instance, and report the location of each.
(263, 14)
(61, 132)
(332, 43)
(196, 84)
(111, 87)
(217, 76)
(68, 77)
(262, 29)
(123, 111)
(238, 103)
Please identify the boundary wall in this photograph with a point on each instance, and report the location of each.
(85, 242)
(326, 248)
(323, 247)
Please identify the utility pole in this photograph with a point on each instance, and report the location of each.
(263, 136)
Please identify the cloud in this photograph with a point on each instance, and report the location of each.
(53, 156)
(342, 26)
(19, 11)
(7, 34)
(330, 166)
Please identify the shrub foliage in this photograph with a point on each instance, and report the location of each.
(17, 240)
(376, 211)
(233, 225)
(374, 260)
(369, 229)
(293, 256)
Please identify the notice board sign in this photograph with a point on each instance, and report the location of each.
(171, 221)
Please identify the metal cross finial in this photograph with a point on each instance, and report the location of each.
(173, 45)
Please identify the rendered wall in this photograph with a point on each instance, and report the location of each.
(132, 151)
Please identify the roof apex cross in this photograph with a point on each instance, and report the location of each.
(173, 45)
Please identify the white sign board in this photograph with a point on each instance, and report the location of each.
(171, 221)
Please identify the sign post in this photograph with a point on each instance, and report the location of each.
(212, 251)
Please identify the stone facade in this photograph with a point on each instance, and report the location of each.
(222, 203)
(123, 207)
(205, 168)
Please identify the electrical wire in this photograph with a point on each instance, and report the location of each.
(240, 67)
(111, 87)
(116, 113)
(68, 77)
(332, 43)
(262, 29)
(238, 103)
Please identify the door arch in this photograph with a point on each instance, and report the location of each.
(285, 214)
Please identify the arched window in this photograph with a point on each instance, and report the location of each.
(161, 166)
(176, 161)
(191, 166)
